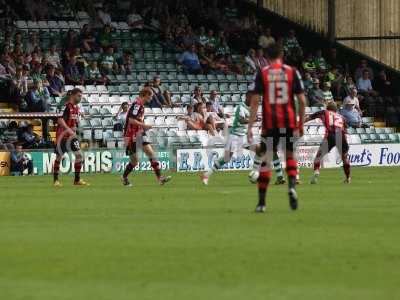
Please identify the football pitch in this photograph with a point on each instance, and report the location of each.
(188, 241)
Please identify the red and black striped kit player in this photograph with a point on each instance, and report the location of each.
(135, 136)
(66, 139)
(335, 136)
(277, 84)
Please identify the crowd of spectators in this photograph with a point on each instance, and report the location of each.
(21, 134)
(204, 35)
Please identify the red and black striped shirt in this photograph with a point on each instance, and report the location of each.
(71, 118)
(332, 121)
(136, 111)
(278, 83)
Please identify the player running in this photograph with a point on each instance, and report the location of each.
(66, 139)
(135, 133)
(236, 138)
(335, 136)
(278, 84)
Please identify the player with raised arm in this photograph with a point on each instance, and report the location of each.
(277, 84)
(335, 136)
(66, 139)
(135, 133)
(236, 137)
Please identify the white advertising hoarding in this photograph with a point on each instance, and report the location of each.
(373, 155)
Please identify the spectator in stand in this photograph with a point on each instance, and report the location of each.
(382, 85)
(190, 117)
(71, 41)
(348, 85)
(10, 135)
(108, 64)
(93, 75)
(32, 43)
(222, 64)
(188, 38)
(213, 118)
(336, 79)
(120, 117)
(52, 57)
(198, 119)
(320, 62)
(251, 61)
(202, 38)
(17, 51)
(56, 85)
(36, 69)
(364, 84)
(80, 59)
(87, 39)
(326, 92)
(59, 73)
(308, 82)
(190, 61)
(309, 64)
(72, 74)
(105, 38)
(161, 96)
(197, 96)
(7, 64)
(333, 59)
(126, 63)
(261, 61)
(351, 114)
(18, 38)
(35, 60)
(266, 39)
(215, 103)
(207, 61)
(364, 67)
(21, 80)
(29, 139)
(37, 98)
(353, 99)
(20, 162)
(212, 40)
(223, 47)
(315, 95)
(292, 46)
(135, 20)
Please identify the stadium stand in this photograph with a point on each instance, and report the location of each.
(122, 51)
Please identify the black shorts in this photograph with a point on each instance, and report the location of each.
(338, 140)
(272, 138)
(67, 145)
(131, 149)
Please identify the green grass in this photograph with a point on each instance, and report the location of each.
(186, 241)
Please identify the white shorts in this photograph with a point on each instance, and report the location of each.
(235, 143)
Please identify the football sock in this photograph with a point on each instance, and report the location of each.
(263, 182)
(317, 166)
(277, 166)
(292, 182)
(346, 168)
(56, 169)
(77, 167)
(291, 170)
(257, 163)
(156, 167)
(128, 170)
